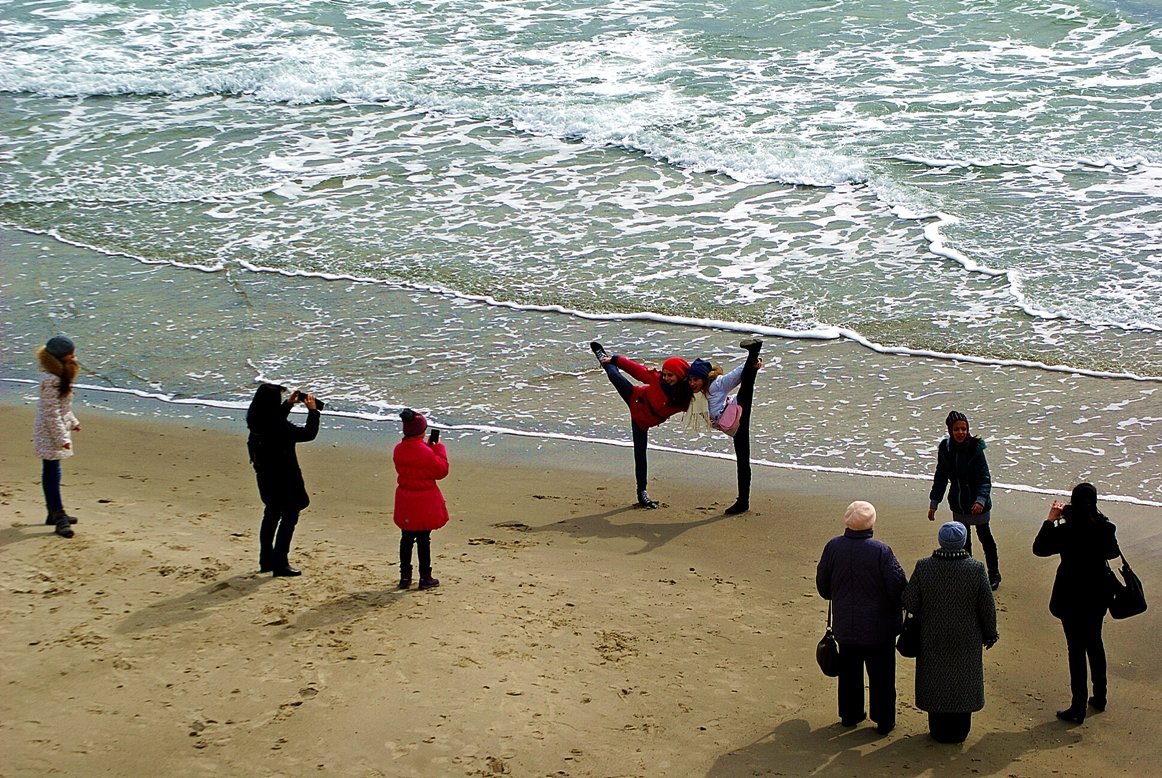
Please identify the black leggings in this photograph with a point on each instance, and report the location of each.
(745, 400)
(423, 543)
(640, 435)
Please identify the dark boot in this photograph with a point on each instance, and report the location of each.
(62, 525)
(52, 517)
(405, 576)
(740, 506)
(426, 580)
(752, 346)
(644, 501)
(282, 543)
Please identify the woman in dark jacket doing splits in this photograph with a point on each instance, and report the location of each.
(1085, 539)
(961, 467)
(863, 579)
(280, 481)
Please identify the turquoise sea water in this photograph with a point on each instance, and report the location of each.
(921, 205)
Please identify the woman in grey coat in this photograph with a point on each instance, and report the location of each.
(949, 592)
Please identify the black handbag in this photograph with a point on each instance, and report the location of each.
(908, 644)
(1127, 599)
(827, 652)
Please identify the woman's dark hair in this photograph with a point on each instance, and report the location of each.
(1083, 504)
(264, 406)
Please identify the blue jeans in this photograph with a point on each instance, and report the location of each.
(50, 479)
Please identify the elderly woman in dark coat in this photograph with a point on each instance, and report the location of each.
(863, 579)
(949, 592)
(1085, 539)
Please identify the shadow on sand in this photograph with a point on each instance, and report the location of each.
(653, 534)
(793, 748)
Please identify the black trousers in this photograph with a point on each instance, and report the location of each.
(987, 543)
(949, 727)
(1083, 640)
(745, 399)
(624, 388)
(880, 661)
(423, 544)
(275, 534)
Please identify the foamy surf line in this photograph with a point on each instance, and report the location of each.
(820, 334)
(389, 416)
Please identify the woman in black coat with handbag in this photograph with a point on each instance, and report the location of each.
(280, 481)
(1085, 539)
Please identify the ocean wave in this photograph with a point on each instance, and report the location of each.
(815, 334)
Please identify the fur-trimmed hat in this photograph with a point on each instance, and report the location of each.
(699, 368)
(59, 346)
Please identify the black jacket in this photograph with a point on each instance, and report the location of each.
(1081, 588)
(272, 452)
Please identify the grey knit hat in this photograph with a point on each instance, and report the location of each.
(953, 534)
(59, 346)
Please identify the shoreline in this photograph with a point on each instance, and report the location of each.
(572, 634)
(363, 430)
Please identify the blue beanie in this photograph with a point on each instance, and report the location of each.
(953, 534)
(700, 368)
(59, 346)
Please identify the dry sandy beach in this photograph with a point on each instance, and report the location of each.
(572, 635)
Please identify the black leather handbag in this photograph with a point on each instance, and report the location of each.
(908, 644)
(827, 652)
(1127, 599)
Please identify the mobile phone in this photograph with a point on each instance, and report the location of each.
(434, 436)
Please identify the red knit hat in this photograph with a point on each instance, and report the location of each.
(414, 422)
(677, 366)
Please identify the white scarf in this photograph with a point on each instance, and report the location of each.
(697, 418)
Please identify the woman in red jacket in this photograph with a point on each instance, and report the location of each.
(661, 394)
(419, 505)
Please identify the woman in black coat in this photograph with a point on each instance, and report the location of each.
(280, 481)
(1085, 539)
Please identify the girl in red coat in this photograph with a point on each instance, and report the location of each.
(661, 394)
(419, 505)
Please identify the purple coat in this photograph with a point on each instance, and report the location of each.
(864, 580)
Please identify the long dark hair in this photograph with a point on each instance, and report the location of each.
(1083, 505)
(264, 407)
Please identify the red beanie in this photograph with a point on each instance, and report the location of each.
(414, 422)
(677, 366)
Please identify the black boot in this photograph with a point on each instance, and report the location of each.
(752, 346)
(405, 576)
(644, 501)
(282, 544)
(52, 517)
(740, 506)
(426, 580)
(62, 525)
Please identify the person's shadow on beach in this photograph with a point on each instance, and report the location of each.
(19, 532)
(793, 748)
(193, 605)
(347, 608)
(652, 534)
